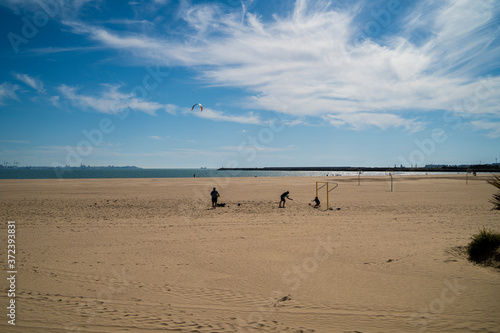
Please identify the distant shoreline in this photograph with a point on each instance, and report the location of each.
(472, 168)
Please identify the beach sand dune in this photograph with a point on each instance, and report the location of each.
(147, 255)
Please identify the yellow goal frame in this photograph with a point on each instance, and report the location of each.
(328, 190)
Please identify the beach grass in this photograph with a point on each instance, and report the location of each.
(484, 248)
(496, 197)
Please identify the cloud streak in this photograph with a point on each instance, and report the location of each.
(309, 62)
(492, 128)
(250, 118)
(8, 91)
(31, 82)
(361, 120)
(112, 101)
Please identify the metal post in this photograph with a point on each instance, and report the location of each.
(390, 174)
(327, 200)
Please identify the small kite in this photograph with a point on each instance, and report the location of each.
(201, 107)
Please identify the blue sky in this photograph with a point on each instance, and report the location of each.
(282, 83)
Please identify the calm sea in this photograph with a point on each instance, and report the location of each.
(171, 173)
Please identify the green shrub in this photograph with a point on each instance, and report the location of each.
(484, 246)
(496, 197)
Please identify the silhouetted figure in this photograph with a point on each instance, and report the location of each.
(214, 195)
(283, 197)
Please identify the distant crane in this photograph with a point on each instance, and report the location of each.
(14, 164)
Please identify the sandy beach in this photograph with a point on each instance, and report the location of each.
(147, 255)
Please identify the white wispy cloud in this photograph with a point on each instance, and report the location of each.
(221, 116)
(126, 22)
(492, 127)
(8, 91)
(309, 63)
(55, 101)
(53, 50)
(32, 82)
(261, 149)
(112, 101)
(361, 120)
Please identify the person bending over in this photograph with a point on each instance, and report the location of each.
(283, 197)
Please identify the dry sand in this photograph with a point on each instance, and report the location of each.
(147, 255)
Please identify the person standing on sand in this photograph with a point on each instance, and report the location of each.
(283, 197)
(214, 195)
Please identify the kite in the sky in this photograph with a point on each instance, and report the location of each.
(201, 107)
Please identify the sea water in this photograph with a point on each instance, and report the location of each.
(49, 173)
